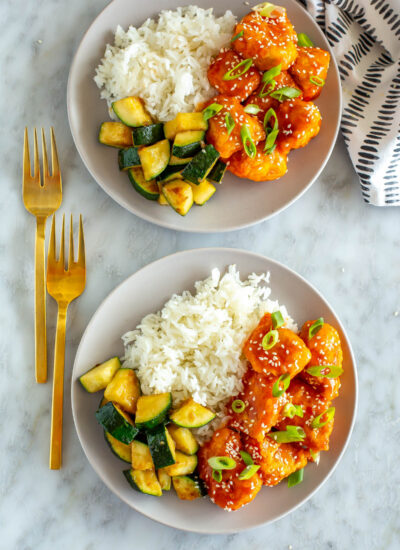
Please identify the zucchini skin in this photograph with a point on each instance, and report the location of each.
(113, 422)
(98, 377)
(130, 476)
(171, 172)
(122, 453)
(218, 172)
(157, 418)
(189, 487)
(148, 189)
(148, 135)
(159, 446)
(128, 158)
(201, 165)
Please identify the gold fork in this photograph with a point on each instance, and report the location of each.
(64, 285)
(41, 201)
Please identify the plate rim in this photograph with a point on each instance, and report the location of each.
(351, 356)
(171, 225)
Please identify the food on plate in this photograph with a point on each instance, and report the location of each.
(172, 129)
(219, 393)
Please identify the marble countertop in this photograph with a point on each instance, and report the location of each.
(348, 250)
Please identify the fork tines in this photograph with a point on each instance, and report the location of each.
(51, 258)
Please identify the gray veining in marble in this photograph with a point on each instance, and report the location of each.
(348, 250)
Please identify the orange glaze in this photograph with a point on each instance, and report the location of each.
(262, 409)
(269, 41)
(263, 167)
(313, 404)
(325, 349)
(231, 493)
(217, 134)
(310, 62)
(299, 121)
(277, 460)
(240, 87)
(288, 355)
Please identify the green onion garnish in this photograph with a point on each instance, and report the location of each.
(271, 73)
(315, 327)
(315, 456)
(304, 41)
(290, 411)
(328, 414)
(271, 87)
(238, 406)
(248, 143)
(270, 339)
(221, 463)
(217, 475)
(266, 9)
(238, 70)
(325, 371)
(277, 390)
(317, 80)
(249, 471)
(270, 141)
(277, 317)
(238, 35)
(292, 433)
(252, 109)
(229, 123)
(270, 113)
(211, 110)
(295, 478)
(246, 458)
(287, 92)
(272, 133)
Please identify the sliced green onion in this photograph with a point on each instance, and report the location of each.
(292, 434)
(271, 73)
(270, 113)
(271, 85)
(272, 134)
(211, 110)
(252, 109)
(290, 411)
(270, 339)
(249, 471)
(246, 458)
(277, 317)
(287, 92)
(315, 327)
(248, 143)
(238, 70)
(295, 478)
(238, 406)
(304, 41)
(270, 141)
(325, 371)
(221, 463)
(238, 35)
(229, 123)
(317, 80)
(315, 456)
(277, 390)
(328, 414)
(266, 9)
(217, 475)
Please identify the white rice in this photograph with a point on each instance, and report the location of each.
(165, 62)
(193, 346)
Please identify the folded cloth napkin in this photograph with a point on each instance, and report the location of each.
(365, 38)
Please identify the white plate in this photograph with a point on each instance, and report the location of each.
(146, 291)
(237, 203)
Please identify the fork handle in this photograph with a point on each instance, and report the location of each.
(58, 390)
(40, 304)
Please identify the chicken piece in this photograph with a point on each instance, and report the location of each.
(277, 460)
(240, 87)
(313, 404)
(230, 493)
(262, 409)
(267, 102)
(310, 62)
(325, 349)
(263, 167)
(299, 121)
(269, 41)
(227, 144)
(288, 355)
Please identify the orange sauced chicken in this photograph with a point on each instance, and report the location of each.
(240, 87)
(263, 167)
(288, 355)
(276, 460)
(325, 349)
(310, 70)
(218, 134)
(299, 121)
(262, 411)
(269, 41)
(230, 493)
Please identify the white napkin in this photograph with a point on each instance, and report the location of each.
(365, 38)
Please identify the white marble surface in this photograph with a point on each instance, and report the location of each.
(349, 250)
